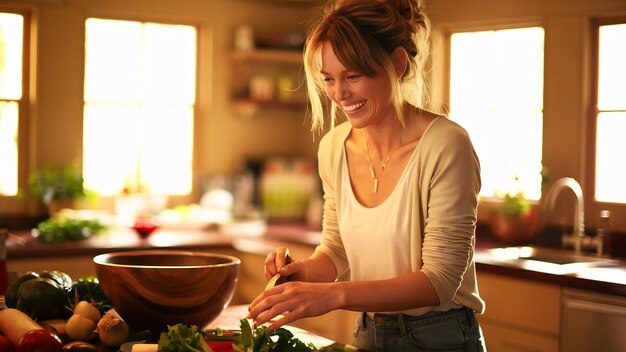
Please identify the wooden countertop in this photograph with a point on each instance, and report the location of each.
(608, 280)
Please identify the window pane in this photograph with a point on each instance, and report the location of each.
(110, 152)
(8, 148)
(113, 60)
(11, 43)
(167, 149)
(610, 164)
(611, 118)
(11, 46)
(139, 107)
(170, 62)
(611, 69)
(496, 93)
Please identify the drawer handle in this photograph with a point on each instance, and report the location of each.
(595, 307)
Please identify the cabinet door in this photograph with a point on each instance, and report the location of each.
(520, 315)
(502, 339)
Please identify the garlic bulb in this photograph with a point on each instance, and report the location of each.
(80, 328)
(112, 330)
(87, 310)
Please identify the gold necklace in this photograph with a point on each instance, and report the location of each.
(383, 165)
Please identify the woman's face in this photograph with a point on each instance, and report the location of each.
(365, 100)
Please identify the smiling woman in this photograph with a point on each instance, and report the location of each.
(140, 88)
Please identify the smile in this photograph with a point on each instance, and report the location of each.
(353, 107)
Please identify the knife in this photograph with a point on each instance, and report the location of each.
(275, 280)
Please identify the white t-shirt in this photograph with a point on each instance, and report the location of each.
(377, 239)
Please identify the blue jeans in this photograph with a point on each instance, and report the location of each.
(453, 331)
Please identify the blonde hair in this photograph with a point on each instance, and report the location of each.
(363, 34)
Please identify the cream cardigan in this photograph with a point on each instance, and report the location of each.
(443, 199)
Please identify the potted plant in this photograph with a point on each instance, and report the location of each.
(516, 219)
(57, 187)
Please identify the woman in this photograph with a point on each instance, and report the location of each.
(400, 192)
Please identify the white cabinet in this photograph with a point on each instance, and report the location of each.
(520, 315)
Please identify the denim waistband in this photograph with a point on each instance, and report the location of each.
(402, 321)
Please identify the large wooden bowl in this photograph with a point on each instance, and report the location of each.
(151, 289)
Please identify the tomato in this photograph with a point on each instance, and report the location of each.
(39, 341)
(6, 345)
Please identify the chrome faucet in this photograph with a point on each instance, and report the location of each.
(579, 215)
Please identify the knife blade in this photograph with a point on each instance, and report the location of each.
(275, 280)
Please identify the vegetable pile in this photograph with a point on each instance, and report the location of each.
(62, 229)
(182, 338)
(46, 308)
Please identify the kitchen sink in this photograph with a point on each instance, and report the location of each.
(550, 260)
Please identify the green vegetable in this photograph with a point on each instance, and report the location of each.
(262, 340)
(62, 279)
(10, 296)
(88, 289)
(42, 299)
(62, 229)
(182, 338)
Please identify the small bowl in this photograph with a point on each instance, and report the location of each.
(144, 227)
(151, 289)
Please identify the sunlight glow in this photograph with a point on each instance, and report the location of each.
(611, 119)
(138, 115)
(11, 44)
(496, 94)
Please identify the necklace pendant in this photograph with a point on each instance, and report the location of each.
(375, 185)
(372, 173)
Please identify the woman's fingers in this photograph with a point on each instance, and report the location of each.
(282, 257)
(275, 261)
(291, 301)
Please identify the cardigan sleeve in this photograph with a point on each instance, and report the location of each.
(450, 184)
(329, 159)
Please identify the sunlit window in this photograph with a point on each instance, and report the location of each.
(139, 107)
(11, 45)
(611, 117)
(496, 93)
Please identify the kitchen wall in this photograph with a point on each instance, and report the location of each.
(225, 137)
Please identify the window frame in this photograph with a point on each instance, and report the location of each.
(487, 205)
(618, 210)
(24, 113)
(196, 120)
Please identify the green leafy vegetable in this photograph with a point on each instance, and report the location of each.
(262, 340)
(88, 289)
(59, 230)
(182, 338)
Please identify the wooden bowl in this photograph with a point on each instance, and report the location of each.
(151, 289)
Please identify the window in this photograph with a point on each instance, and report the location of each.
(139, 107)
(610, 116)
(11, 63)
(496, 94)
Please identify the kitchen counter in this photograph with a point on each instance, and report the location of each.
(611, 279)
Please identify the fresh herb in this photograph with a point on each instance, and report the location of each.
(262, 340)
(61, 229)
(183, 338)
(88, 289)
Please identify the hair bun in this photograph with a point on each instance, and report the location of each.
(411, 10)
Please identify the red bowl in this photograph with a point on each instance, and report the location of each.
(144, 228)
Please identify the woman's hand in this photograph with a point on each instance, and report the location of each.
(291, 301)
(279, 262)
